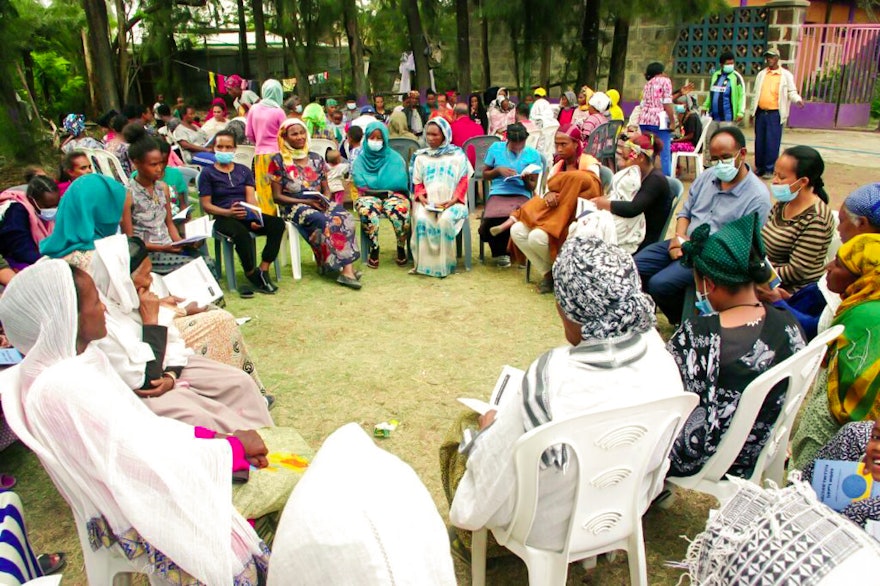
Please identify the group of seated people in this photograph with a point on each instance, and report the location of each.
(756, 266)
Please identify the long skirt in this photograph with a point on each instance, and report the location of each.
(213, 395)
(433, 239)
(331, 234)
(816, 426)
(453, 465)
(263, 181)
(372, 209)
(215, 335)
(18, 564)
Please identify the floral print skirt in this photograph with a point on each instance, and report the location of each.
(331, 234)
(372, 209)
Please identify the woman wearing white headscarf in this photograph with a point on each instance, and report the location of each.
(616, 359)
(501, 113)
(440, 178)
(147, 352)
(132, 478)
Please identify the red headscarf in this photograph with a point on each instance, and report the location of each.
(574, 133)
(217, 102)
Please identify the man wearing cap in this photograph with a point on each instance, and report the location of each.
(544, 117)
(775, 91)
(368, 116)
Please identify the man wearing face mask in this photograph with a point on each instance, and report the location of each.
(726, 193)
(726, 102)
(351, 111)
(775, 91)
(26, 218)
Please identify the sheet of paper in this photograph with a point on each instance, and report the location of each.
(532, 169)
(242, 320)
(433, 208)
(481, 407)
(193, 282)
(838, 483)
(182, 214)
(190, 240)
(506, 386)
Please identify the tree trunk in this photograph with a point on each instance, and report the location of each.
(589, 68)
(106, 88)
(546, 55)
(122, 46)
(260, 34)
(417, 44)
(484, 45)
(617, 69)
(242, 41)
(516, 66)
(463, 46)
(355, 49)
(90, 74)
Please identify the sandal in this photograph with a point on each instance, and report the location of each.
(7, 481)
(401, 262)
(373, 263)
(51, 563)
(413, 271)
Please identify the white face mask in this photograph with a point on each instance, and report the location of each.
(374, 144)
(351, 105)
(48, 214)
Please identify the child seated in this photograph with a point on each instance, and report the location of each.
(338, 174)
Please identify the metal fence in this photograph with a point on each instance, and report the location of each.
(838, 64)
(742, 31)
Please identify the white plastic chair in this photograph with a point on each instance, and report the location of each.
(320, 146)
(107, 164)
(244, 155)
(292, 235)
(697, 155)
(614, 450)
(799, 370)
(836, 242)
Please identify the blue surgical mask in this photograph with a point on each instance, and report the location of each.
(702, 304)
(726, 170)
(224, 158)
(783, 193)
(727, 69)
(48, 214)
(679, 109)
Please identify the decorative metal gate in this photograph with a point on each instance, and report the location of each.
(742, 31)
(838, 64)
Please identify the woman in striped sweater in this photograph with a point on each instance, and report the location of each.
(800, 225)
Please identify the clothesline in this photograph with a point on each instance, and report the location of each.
(217, 80)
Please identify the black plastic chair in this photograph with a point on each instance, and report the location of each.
(602, 143)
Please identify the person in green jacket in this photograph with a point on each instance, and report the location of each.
(726, 102)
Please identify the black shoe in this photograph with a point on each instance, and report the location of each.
(545, 286)
(269, 281)
(261, 282)
(245, 292)
(270, 401)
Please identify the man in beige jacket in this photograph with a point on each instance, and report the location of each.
(775, 91)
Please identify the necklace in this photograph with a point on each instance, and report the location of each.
(742, 305)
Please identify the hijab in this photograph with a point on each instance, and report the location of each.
(288, 153)
(865, 202)
(75, 124)
(615, 111)
(90, 209)
(587, 92)
(314, 117)
(382, 169)
(444, 149)
(574, 133)
(572, 99)
(132, 476)
(272, 93)
(397, 127)
(217, 102)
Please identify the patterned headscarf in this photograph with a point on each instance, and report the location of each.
(574, 133)
(235, 80)
(447, 147)
(861, 256)
(272, 93)
(731, 256)
(597, 285)
(288, 153)
(865, 202)
(75, 124)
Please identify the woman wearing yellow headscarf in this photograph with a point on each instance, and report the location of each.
(615, 111)
(299, 187)
(852, 384)
(582, 112)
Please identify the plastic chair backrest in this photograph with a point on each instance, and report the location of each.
(321, 146)
(405, 147)
(533, 139)
(481, 145)
(798, 371)
(676, 189)
(602, 142)
(107, 164)
(244, 155)
(704, 136)
(606, 175)
(836, 242)
(614, 450)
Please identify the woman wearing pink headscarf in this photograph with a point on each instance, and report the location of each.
(242, 97)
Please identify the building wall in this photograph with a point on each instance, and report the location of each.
(841, 13)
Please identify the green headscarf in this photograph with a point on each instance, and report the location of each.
(731, 256)
(314, 118)
(90, 210)
(382, 169)
(272, 93)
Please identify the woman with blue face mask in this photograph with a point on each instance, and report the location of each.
(733, 340)
(800, 226)
(26, 218)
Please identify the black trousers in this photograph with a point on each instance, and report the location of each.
(239, 231)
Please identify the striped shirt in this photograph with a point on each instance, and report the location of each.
(796, 247)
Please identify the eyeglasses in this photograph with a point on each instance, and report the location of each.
(727, 160)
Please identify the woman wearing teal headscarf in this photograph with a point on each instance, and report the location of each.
(382, 181)
(91, 209)
(263, 121)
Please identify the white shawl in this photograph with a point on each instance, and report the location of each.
(106, 452)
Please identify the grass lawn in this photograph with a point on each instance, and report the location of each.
(404, 347)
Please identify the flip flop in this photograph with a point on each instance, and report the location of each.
(7, 481)
(51, 563)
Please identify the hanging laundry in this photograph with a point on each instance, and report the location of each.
(221, 84)
(212, 81)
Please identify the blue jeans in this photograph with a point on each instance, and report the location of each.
(768, 139)
(666, 153)
(664, 279)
